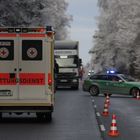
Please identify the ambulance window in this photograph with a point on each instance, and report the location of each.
(6, 50)
(32, 50)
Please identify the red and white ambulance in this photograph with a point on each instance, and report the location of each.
(26, 71)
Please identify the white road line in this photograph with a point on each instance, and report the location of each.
(95, 106)
(93, 100)
(98, 114)
(102, 127)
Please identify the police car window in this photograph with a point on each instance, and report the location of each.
(99, 77)
(103, 77)
(94, 77)
(6, 50)
(32, 50)
(113, 78)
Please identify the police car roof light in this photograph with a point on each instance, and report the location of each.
(110, 72)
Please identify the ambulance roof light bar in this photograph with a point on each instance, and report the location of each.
(26, 30)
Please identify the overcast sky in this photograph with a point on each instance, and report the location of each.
(84, 24)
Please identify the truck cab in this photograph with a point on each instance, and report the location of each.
(67, 56)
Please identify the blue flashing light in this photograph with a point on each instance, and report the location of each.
(107, 72)
(110, 72)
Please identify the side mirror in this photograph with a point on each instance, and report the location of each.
(80, 62)
(75, 60)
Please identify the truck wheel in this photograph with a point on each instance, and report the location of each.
(75, 87)
(39, 115)
(0, 115)
(94, 90)
(48, 116)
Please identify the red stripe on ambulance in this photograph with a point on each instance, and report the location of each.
(32, 78)
(8, 35)
(6, 80)
(32, 35)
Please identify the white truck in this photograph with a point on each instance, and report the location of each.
(26, 71)
(67, 56)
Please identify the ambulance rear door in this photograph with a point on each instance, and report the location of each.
(8, 66)
(33, 62)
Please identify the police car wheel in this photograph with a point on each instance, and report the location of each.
(94, 90)
(134, 92)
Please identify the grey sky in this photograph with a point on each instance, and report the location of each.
(84, 24)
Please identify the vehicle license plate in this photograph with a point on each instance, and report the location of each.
(63, 80)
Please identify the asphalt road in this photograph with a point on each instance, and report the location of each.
(127, 110)
(73, 119)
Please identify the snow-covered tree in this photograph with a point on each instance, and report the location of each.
(116, 41)
(36, 13)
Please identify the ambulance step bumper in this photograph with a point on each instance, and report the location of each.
(26, 108)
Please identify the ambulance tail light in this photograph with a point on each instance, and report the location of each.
(50, 34)
(49, 79)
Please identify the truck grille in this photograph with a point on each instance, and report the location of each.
(66, 75)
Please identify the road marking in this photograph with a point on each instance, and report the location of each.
(98, 114)
(93, 100)
(102, 127)
(95, 106)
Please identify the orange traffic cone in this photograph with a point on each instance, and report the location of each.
(107, 99)
(105, 111)
(113, 129)
(138, 96)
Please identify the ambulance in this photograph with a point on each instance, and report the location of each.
(27, 71)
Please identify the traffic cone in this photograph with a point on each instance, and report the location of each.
(138, 96)
(105, 111)
(113, 129)
(107, 99)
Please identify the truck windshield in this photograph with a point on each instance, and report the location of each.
(66, 62)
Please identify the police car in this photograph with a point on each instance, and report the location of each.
(111, 83)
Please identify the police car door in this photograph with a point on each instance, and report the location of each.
(32, 66)
(8, 66)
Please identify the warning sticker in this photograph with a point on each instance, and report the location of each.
(4, 52)
(32, 52)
